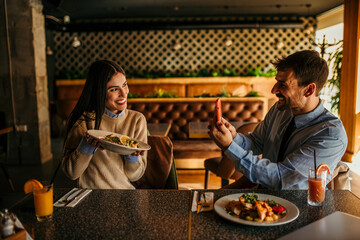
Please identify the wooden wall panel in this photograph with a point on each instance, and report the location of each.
(350, 78)
(143, 89)
(214, 89)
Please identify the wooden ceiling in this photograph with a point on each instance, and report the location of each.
(95, 9)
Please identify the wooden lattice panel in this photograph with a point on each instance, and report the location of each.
(200, 49)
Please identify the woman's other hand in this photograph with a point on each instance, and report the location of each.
(138, 153)
(93, 141)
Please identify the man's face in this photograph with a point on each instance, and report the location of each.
(289, 93)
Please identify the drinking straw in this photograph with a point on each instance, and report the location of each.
(53, 177)
(315, 163)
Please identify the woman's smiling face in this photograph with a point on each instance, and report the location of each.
(116, 95)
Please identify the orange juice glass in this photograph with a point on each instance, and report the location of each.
(43, 200)
(316, 190)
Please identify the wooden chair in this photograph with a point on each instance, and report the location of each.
(160, 172)
(223, 166)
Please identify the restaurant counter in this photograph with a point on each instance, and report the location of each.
(166, 214)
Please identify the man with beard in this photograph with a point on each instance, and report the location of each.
(295, 129)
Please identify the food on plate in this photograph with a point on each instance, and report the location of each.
(250, 208)
(123, 140)
(31, 184)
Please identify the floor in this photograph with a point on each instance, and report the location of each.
(187, 179)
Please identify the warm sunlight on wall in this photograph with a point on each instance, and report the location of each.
(333, 35)
(330, 25)
(358, 86)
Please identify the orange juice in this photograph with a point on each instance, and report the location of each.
(43, 200)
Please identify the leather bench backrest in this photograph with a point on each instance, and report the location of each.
(181, 111)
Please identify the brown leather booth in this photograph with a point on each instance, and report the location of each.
(190, 153)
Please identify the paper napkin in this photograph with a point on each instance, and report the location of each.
(19, 225)
(209, 197)
(72, 192)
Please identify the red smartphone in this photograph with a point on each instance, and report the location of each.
(218, 110)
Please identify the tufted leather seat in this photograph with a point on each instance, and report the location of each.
(181, 111)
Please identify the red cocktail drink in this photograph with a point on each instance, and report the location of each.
(316, 191)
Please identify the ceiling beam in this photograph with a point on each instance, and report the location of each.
(170, 25)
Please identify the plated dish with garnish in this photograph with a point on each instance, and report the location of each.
(256, 209)
(118, 143)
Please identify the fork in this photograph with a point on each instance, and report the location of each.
(67, 200)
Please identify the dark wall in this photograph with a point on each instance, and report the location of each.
(5, 94)
(21, 91)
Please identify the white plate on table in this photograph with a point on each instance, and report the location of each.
(114, 147)
(291, 209)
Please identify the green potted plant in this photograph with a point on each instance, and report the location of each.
(160, 93)
(335, 62)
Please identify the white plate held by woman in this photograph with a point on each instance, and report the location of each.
(114, 147)
(292, 212)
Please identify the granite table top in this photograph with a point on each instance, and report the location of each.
(166, 214)
(209, 225)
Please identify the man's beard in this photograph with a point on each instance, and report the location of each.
(281, 105)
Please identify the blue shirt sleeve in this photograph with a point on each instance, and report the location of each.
(86, 148)
(242, 141)
(293, 171)
(131, 158)
(258, 170)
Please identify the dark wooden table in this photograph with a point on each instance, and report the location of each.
(166, 214)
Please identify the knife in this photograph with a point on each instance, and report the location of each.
(76, 196)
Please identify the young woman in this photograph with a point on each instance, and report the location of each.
(102, 105)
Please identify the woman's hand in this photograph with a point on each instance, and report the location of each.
(93, 141)
(138, 153)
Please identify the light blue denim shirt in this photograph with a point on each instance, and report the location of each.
(86, 148)
(318, 130)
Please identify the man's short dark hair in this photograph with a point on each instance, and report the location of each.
(308, 68)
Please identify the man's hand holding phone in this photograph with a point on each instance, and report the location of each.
(219, 118)
(221, 131)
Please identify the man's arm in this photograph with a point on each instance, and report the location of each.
(292, 172)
